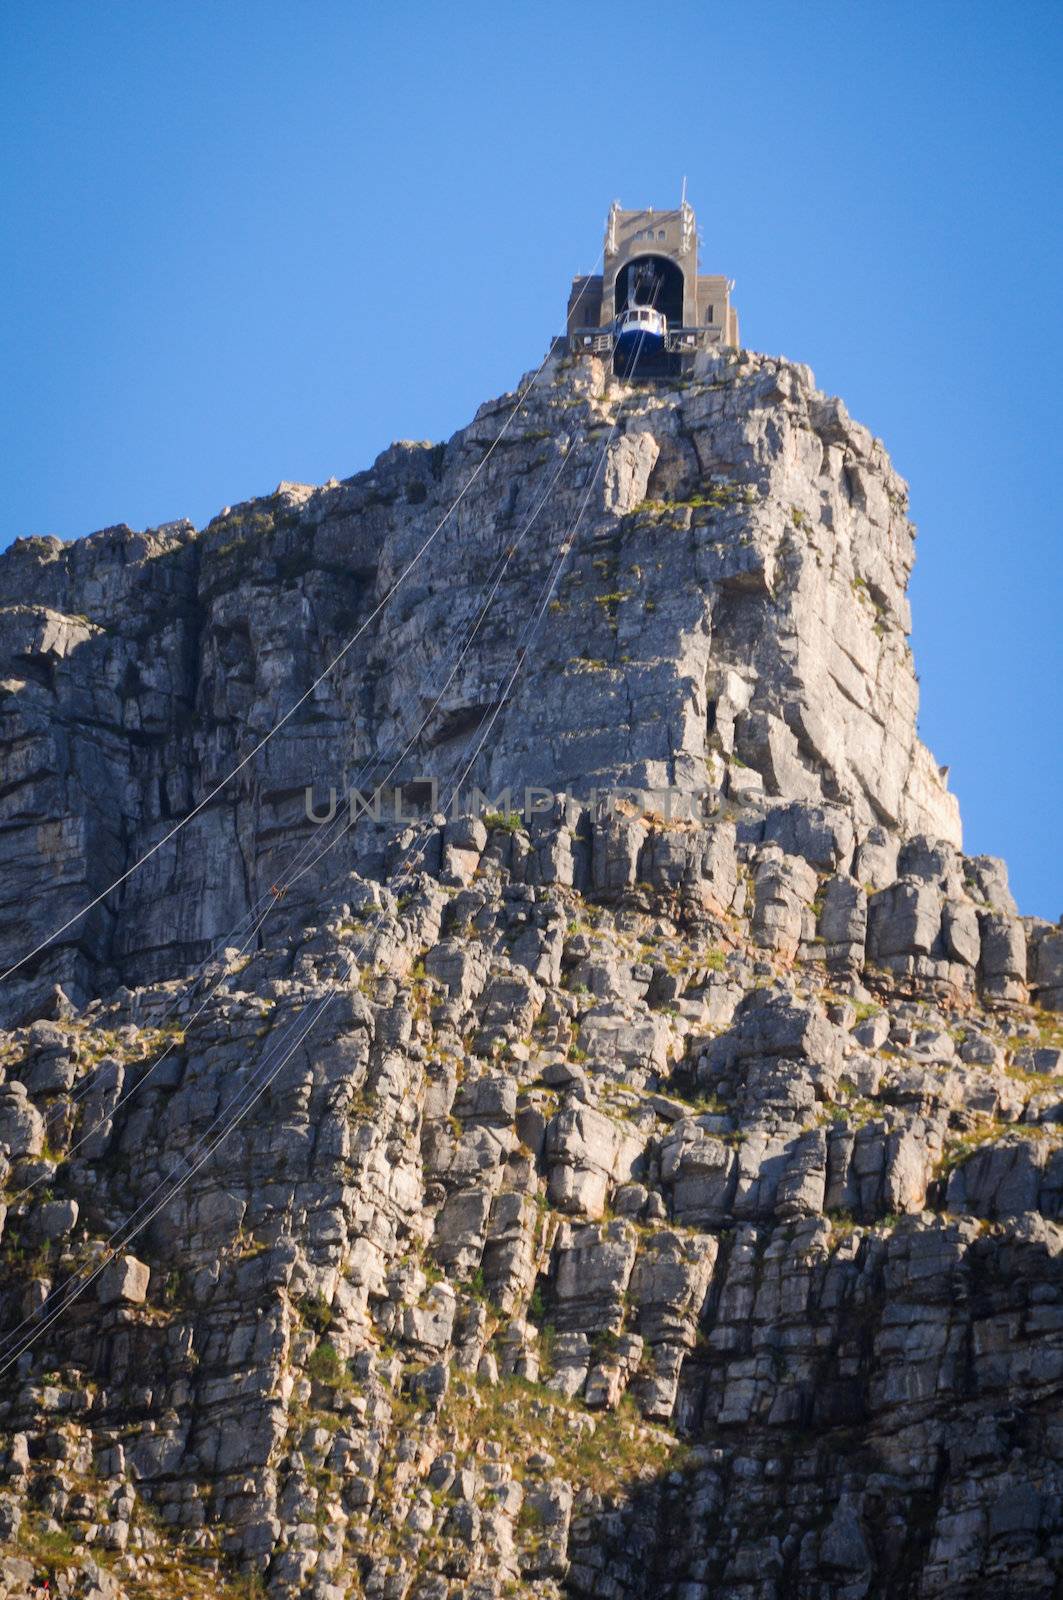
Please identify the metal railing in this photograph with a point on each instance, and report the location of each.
(677, 341)
(591, 341)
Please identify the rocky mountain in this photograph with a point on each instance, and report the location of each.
(648, 1186)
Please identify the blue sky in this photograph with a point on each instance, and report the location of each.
(251, 242)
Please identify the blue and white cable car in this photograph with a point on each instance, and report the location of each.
(641, 330)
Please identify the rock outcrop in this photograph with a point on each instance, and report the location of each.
(655, 1194)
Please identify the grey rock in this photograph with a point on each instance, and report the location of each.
(54, 1219)
(123, 1280)
(822, 835)
(1003, 960)
(586, 1152)
(1045, 966)
(628, 465)
(843, 920)
(21, 1124)
(903, 920)
(593, 1264)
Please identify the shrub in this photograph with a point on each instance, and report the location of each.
(316, 1312)
(509, 820)
(325, 1365)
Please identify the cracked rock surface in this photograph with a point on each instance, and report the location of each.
(625, 1200)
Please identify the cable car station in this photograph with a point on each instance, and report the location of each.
(649, 308)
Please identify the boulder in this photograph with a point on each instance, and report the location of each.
(123, 1281)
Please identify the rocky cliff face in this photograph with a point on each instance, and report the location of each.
(653, 1196)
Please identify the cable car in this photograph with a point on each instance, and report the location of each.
(640, 329)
